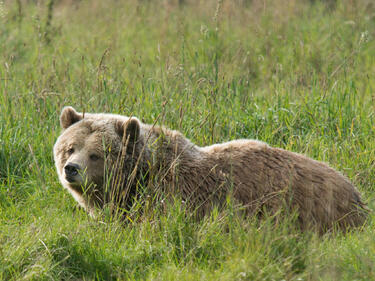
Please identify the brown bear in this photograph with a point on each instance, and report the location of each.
(97, 149)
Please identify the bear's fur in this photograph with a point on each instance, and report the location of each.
(95, 149)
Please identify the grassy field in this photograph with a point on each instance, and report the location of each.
(296, 74)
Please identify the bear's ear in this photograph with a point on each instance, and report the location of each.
(69, 116)
(131, 128)
(128, 130)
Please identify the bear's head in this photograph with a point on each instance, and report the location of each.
(93, 151)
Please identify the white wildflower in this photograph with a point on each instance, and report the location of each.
(3, 11)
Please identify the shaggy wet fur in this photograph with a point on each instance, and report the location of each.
(257, 177)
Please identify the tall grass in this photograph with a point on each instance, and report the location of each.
(296, 74)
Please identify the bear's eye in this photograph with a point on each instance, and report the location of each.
(94, 157)
(70, 151)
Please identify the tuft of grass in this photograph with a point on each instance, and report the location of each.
(296, 74)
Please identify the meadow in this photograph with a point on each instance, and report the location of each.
(296, 74)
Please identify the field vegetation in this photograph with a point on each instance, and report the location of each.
(297, 74)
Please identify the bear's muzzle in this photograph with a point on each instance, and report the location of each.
(71, 171)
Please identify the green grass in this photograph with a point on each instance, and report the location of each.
(296, 74)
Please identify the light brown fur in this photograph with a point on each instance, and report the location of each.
(258, 177)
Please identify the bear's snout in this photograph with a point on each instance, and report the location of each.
(71, 170)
